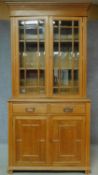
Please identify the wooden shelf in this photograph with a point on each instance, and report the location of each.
(65, 41)
(31, 40)
(65, 68)
(29, 28)
(31, 86)
(67, 27)
(65, 87)
(29, 68)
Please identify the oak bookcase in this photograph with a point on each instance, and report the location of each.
(49, 113)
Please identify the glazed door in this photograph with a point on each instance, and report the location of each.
(30, 56)
(30, 141)
(67, 141)
(66, 56)
(47, 56)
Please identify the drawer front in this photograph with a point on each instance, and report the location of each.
(68, 108)
(30, 108)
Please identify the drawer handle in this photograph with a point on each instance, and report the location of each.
(68, 110)
(30, 109)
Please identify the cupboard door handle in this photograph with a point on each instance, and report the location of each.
(42, 140)
(68, 109)
(55, 141)
(30, 109)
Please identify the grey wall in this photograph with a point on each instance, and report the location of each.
(92, 88)
(5, 77)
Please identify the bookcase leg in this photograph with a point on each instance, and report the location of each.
(87, 172)
(10, 172)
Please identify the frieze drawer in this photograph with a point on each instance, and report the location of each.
(30, 108)
(68, 108)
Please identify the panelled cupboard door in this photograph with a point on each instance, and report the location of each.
(67, 141)
(30, 142)
(66, 56)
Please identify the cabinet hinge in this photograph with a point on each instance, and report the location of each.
(82, 24)
(13, 124)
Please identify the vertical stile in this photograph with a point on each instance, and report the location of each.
(38, 55)
(47, 58)
(51, 61)
(25, 70)
(80, 81)
(84, 54)
(60, 27)
(72, 55)
(16, 55)
(59, 66)
(13, 52)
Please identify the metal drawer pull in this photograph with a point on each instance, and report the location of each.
(68, 110)
(30, 109)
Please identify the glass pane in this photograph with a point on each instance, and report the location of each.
(32, 56)
(56, 77)
(65, 23)
(21, 30)
(22, 78)
(66, 57)
(76, 34)
(33, 90)
(65, 34)
(23, 90)
(64, 77)
(56, 59)
(31, 60)
(55, 90)
(76, 68)
(42, 78)
(31, 77)
(41, 30)
(56, 33)
(41, 55)
(76, 23)
(31, 30)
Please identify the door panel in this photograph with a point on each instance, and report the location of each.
(66, 54)
(32, 56)
(67, 141)
(30, 141)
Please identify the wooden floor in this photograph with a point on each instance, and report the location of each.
(3, 164)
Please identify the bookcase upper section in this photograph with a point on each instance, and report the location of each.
(49, 53)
